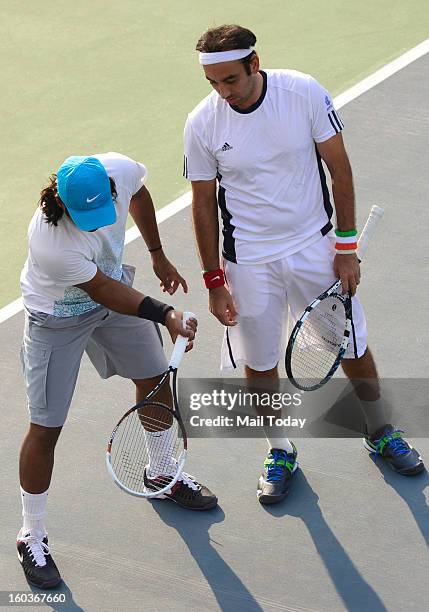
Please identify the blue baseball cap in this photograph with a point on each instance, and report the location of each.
(84, 187)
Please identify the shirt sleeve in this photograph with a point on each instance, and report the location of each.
(199, 164)
(72, 268)
(325, 121)
(126, 172)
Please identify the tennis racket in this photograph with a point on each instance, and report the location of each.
(321, 335)
(147, 449)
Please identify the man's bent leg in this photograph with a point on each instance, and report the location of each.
(156, 419)
(145, 385)
(188, 493)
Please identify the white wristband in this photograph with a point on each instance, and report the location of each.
(348, 252)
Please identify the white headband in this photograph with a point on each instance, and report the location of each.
(218, 57)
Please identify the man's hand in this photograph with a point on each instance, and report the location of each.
(167, 273)
(347, 268)
(143, 213)
(174, 324)
(221, 305)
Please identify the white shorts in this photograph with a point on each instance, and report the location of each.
(269, 299)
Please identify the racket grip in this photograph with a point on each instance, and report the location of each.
(368, 231)
(180, 344)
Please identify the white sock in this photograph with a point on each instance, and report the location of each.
(160, 446)
(281, 443)
(33, 511)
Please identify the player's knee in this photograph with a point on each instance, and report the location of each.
(44, 436)
(146, 383)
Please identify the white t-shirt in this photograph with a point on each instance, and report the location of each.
(272, 188)
(63, 256)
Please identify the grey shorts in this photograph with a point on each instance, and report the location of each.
(52, 350)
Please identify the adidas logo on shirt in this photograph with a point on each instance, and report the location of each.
(227, 147)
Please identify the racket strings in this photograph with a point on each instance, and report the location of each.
(318, 342)
(148, 442)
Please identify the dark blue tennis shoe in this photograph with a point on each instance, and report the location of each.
(274, 482)
(389, 444)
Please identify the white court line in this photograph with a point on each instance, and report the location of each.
(381, 75)
(347, 96)
(161, 215)
(11, 309)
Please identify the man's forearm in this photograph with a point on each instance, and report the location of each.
(344, 198)
(114, 295)
(206, 228)
(142, 211)
(334, 154)
(124, 299)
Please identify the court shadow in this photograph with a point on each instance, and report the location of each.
(356, 593)
(412, 491)
(228, 589)
(68, 605)
(344, 419)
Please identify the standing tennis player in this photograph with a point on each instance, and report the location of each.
(78, 297)
(261, 136)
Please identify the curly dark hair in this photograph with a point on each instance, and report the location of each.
(51, 204)
(226, 38)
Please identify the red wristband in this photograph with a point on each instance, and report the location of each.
(350, 247)
(214, 278)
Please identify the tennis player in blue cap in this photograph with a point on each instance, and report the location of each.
(77, 294)
(76, 177)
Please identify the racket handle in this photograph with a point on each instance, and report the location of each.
(368, 231)
(180, 344)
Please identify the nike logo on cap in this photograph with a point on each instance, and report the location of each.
(89, 200)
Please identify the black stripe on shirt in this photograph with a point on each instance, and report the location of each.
(337, 117)
(326, 197)
(228, 250)
(332, 123)
(334, 117)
